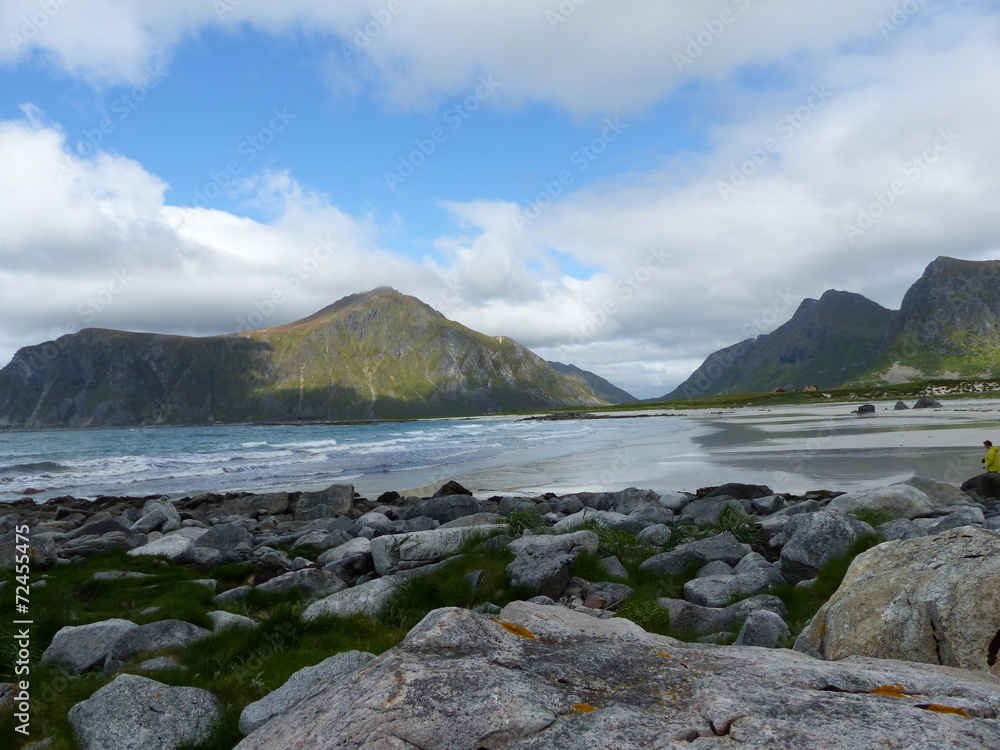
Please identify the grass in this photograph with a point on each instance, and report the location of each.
(525, 519)
(873, 516)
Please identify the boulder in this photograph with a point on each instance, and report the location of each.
(175, 548)
(767, 505)
(652, 514)
(967, 516)
(753, 575)
(395, 552)
(740, 491)
(42, 548)
(303, 684)
(77, 648)
(900, 406)
(312, 583)
(939, 493)
(222, 620)
(625, 501)
(548, 677)
(986, 486)
(136, 713)
(151, 637)
(695, 618)
(935, 599)
(252, 506)
(926, 402)
(231, 540)
(451, 487)
(813, 539)
(865, 409)
(157, 515)
(679, 561)
(762, 628)
(705, 511)
(90, 545)
(901, 528)
(674, 501)
(335, 500)
(357, 546)
(369, 598)
(900, 500)
(576, 520)
(544, 562)
(445, 508)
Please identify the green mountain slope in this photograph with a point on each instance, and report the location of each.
(948, 326)
(826, 342)
(598, 385)
(380, 354)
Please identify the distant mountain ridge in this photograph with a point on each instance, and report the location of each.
(948, 325)
(379, 354)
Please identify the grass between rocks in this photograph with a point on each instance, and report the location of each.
(240, 666)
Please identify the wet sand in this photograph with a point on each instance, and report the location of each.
(789, 448)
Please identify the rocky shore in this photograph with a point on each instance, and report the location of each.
(566, 631)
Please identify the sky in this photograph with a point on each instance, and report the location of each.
(624, 186)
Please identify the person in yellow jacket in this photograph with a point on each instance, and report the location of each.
(992, 458)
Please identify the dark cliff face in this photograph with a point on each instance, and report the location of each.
(948, 323)
(826, 342)
(375, 355)
(947, 326)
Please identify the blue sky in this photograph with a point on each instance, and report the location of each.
(627, 187)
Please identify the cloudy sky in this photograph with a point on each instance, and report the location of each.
(627, 186)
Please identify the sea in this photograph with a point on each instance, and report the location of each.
(789, 448)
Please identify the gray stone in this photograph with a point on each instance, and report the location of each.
(77, 648)
(100, 524)
(865, 409)
(705, 511)
(932, 600)
(158, 515)
(335, 500)
(685, 615)
(158, 663)
(233, 595)
(117, 575)
(222, 620)
(901, 528)
(762, 628)
(900, 406)
(613, 567)
(395, 552)
(656, 535)
(476, 519)
(174, 547)
(626, 501)
(311, 582)
(233, 541)
(714, 568)
(90, 545)
(587, 515)
(137, 713)
(939, 493)
(252, 506)
(548, 677)
(272, 557)
(544, 562)
(926, 402)
(369, 598)
(767, 505)
(677, 562)
(356, 546)
(812, 541)
(445, 508)
(674, 501)
(151, 637)
(721, 590)
(969, 516)
(41, 546)
(303, 684)
(652, 514)
(900, 500)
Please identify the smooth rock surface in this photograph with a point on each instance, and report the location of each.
(901, 500)
(546, 677)
(77, 648)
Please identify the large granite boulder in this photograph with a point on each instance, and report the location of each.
(985, 486)
(77, 648)
(151, 637)
(394, 552)
(253, 506)
(311, 583)
(724, 547)
(176, 548)
(813, 539)
(900, 500)
(157, 515)
(335, 500)
(544, 562)
(935, 599)
(231, 540)
(548, 677)
(940, 494)
(369, 598)
(303, 684)
(624, 501)
(136, 713)
(445, 508)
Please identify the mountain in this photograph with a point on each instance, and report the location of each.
(379, 354)
(826, 342)
(597, 385)
(948, 326)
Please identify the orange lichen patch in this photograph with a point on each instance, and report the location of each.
(664, 654)
(511, 627)
(582, 708)
(939, 709)
(891, 691)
